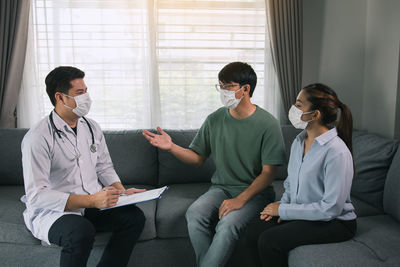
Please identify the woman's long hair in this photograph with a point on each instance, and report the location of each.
(326, 101)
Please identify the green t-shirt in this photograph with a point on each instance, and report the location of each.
(239, 147)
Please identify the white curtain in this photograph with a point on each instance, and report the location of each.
(147, 63)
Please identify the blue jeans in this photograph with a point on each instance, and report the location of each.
(213, 240)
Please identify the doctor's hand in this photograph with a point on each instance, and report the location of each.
(162, 140)
(229, 205)
(133, 190)
(106, 197)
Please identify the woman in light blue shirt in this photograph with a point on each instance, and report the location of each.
(315, 207)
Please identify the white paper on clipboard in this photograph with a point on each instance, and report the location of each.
(139, 197)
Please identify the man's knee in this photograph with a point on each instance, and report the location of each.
(229, 226)
(132, 216)
(194, 214)
(81, 234)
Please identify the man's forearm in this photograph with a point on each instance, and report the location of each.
(259, 184)
(78, 202)
(187, 156)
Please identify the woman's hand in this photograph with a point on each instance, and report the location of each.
(270, 211)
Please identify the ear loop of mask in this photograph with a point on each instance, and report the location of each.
(68, 97)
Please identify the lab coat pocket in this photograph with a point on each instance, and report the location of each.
(93, 150)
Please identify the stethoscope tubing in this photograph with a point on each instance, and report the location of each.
(57, 131)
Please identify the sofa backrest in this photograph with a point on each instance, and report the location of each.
(372, 156)
(173, 171)
(134, 158)
(391, 196)
(289, 134)
(10, 156)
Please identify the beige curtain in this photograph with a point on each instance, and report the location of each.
(14, 17)
(285, 23)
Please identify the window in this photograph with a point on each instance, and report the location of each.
(147, 63)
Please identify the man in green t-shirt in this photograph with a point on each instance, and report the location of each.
(246, 144)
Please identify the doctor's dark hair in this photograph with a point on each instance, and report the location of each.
(59, 80)
(239, 72)
(324, 99)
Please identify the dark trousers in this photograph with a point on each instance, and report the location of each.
(75, 234)
(269, 243)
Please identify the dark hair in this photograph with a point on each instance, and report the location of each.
(239, 72)
(326, 101)
(59, 80)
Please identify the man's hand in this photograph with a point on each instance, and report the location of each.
(106, 197)
(230, 205)
(162, 140)
(133, 190)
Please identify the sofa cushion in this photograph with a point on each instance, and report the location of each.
(172, 207)
(391, 197)
(135, 160)
(13, 229)
(173, 171)
(381, 234)
(363, 208)
(10, 155)
(372, 157)
(12, 223)
(149, 209)
(278, 188)
(375, 244)
(346, 254)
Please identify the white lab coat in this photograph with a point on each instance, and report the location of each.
(54, 168)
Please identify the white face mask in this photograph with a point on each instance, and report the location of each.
(295, 117)
(228, 98)
(83, 103)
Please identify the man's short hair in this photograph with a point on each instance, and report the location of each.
(239, 72)
(59, 80)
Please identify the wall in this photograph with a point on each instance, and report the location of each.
(382, 66)
(353, 46)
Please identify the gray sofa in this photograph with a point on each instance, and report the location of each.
(164, 241)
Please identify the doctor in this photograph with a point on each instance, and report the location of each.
(69, 176)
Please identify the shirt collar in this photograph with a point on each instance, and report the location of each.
(61, 124)
(326, 137)
(322, 139)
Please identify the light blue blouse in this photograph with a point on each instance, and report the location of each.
(318, 186)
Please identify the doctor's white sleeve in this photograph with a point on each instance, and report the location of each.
(36, 163)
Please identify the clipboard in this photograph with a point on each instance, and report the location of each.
(148, 195)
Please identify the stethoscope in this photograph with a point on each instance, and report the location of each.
(93, 147)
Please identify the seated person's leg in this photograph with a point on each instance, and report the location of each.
(201, 217)
(75, 234)
(275, 243)
(126, 224)
(246, 251)
(228, 230)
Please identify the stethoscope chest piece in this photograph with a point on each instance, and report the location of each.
(93, 148)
